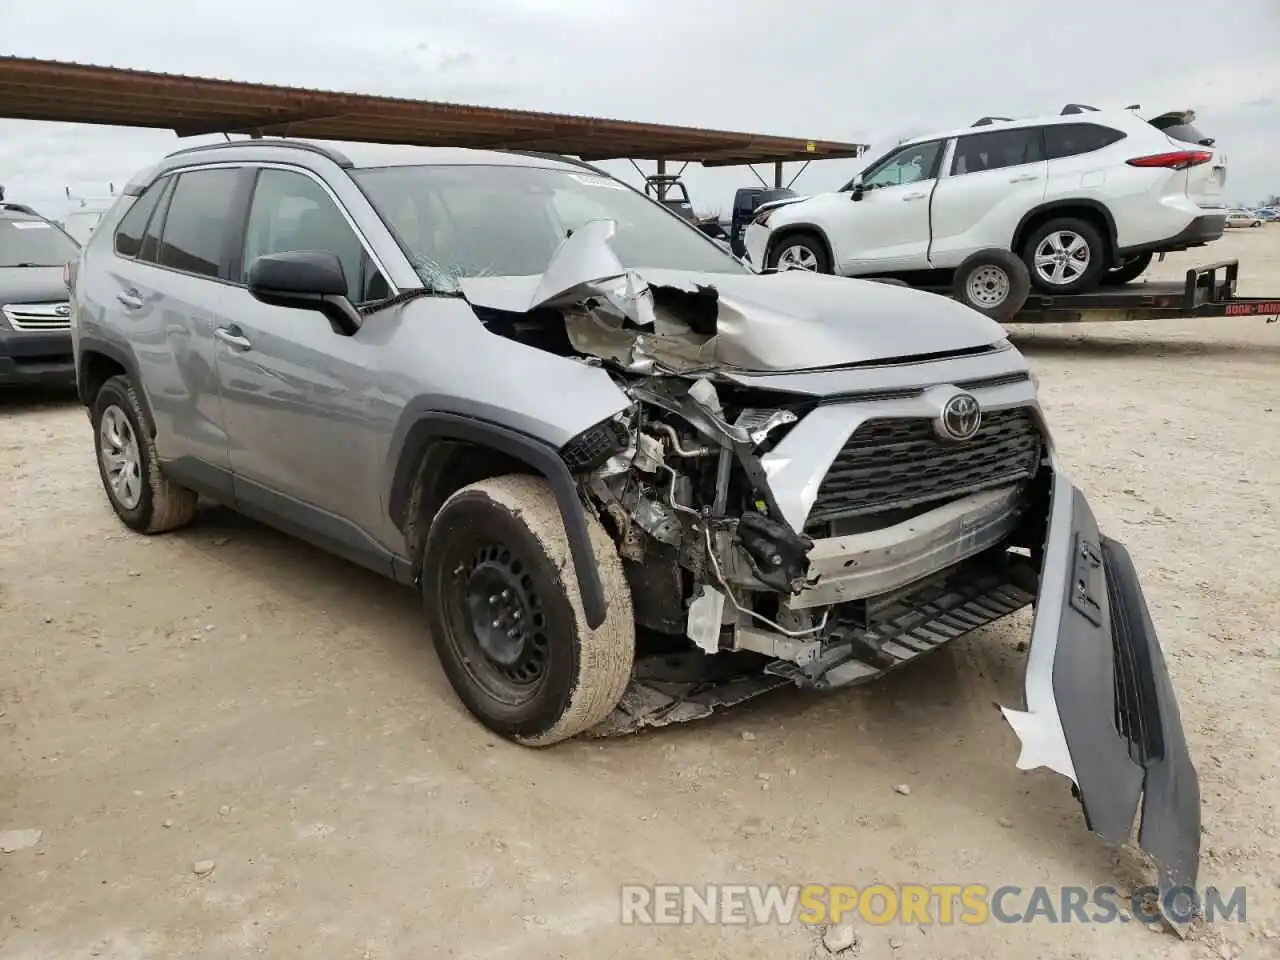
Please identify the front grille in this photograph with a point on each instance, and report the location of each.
(899, 463)
(38, 316)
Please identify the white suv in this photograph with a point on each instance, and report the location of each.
(1082, 198)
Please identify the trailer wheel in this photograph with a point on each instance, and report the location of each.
(1131, 268)
(993, 282)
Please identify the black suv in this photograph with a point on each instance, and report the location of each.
(35, 315)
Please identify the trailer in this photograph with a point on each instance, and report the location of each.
(996, 283)
(1207, 291)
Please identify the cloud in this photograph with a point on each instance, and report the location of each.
(825, 69)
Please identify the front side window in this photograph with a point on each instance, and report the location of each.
(34, 243)
(290, 212)
(194, 237)
(911, 164)
(996, 150)
(455, 222)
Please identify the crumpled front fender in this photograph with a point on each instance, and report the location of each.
(1100, 707)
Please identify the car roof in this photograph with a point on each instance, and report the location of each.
(365, 155)
(348, 156)
(1104, 117)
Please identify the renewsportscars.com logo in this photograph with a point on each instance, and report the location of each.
(923, 904)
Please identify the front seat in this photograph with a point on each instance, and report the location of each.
(321, 229)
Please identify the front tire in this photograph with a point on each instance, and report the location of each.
(803, 251)
(505, 612)
(1065, 255)
(143, 498)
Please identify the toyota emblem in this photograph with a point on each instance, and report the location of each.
(960, 418)
(62, 310)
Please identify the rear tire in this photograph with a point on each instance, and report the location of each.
(505, 612)
(803, 250)
(1065, 255)
(143, 498)
(993, 282)
(1131, 268)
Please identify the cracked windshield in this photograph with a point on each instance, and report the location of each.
(499, 221)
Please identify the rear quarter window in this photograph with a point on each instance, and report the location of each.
(128, 238)
(1073, 139)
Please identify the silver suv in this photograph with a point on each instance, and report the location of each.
(632, 480)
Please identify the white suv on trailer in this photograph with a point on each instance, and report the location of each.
(1082, 198)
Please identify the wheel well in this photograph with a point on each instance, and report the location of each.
(95, 370)
(446, 466)
(791, 230)
(1087, 212)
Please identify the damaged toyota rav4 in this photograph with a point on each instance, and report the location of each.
(633, 480)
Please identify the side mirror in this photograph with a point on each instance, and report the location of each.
(857, 192)
(305, 280)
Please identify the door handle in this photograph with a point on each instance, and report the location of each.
(1024, 178)
(130, 299)
(914, 196)
(232, 338)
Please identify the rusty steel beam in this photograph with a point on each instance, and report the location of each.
(80, 93)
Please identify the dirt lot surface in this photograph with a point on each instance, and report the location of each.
(225, 694)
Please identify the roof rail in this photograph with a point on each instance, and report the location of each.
(335, 155)
(562, 157)
(988, 121)
(1077, 108)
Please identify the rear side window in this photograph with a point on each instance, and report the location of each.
(129, 233)
(996, 150)
(1072, 139)
(195, 228)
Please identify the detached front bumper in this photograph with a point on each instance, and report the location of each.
(1100, 707)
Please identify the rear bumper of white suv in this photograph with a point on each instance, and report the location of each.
(1204, 228)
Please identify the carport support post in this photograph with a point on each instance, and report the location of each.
(777, 175)
(661, 182)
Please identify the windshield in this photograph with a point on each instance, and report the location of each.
(455, 222)
(34, 243)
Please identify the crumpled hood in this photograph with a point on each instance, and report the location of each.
(762, 322)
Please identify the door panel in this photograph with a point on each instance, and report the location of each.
(170, 313)
(296, 396)
(888, 228)
(295, 392)
(994, 179)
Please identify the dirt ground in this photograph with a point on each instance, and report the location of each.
(225, 694)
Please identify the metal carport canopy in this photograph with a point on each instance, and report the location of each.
(189, 106)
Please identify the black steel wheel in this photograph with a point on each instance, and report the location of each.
(505, 612)
(495, 620)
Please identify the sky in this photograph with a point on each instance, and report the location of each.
(821, 69)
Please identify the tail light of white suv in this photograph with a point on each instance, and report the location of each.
(1176, 160)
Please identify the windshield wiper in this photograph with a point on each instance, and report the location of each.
(405, 296)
